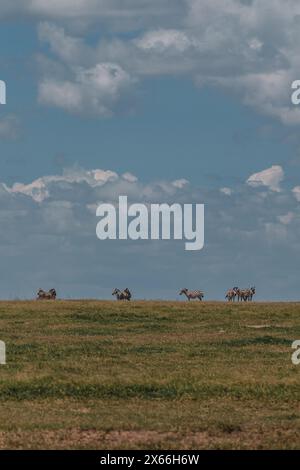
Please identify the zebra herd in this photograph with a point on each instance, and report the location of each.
(122, 295)
(43, 295)
(231, 295)
(240, 294)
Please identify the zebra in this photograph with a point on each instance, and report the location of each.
(231, 294)
(43, 295)
(122, 295)
(246, 294)
(192, 294)
(250, 293)
(242, 294)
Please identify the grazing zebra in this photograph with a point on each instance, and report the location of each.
(231, 294)
(192, 294)
(122, 295)
(43, 295)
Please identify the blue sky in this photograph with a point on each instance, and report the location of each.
(193, 90)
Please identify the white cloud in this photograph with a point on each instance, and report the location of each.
(130, 177)
(248, 48)
(271, 178)
(164, 39)
(61, 94)
(66, 47)
(39, 189)
(269, 93)
(262, 64)
(94, 90)
(47, 187)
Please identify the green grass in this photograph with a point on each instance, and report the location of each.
(102, 375)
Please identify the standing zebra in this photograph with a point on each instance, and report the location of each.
(122, 295)
(231, 294)
(250, 293)
(192, 294)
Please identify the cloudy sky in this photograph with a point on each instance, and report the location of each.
(183, 101)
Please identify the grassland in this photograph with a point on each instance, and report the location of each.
(160, 375)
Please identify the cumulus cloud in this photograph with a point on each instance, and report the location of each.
(271, 178)
(248, 48)
(39, 189)
(94, 90)
(162, 40)
(66, 47)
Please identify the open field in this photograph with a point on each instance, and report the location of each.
(160, 375)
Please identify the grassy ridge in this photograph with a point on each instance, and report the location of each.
(88, 374)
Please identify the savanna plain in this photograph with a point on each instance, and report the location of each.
(91, 374)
